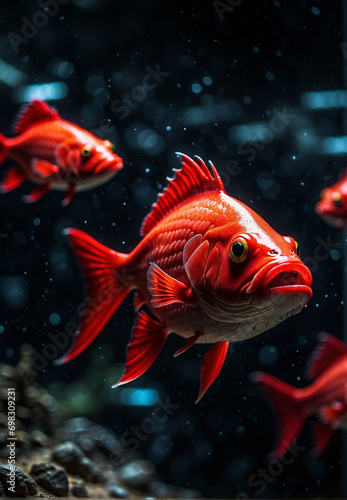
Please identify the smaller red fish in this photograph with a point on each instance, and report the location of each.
(55, 154)
(325, 397)
(333, 204)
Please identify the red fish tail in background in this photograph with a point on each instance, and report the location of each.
(106, 287)
(3, 148)
(290, 413)
(14, 176)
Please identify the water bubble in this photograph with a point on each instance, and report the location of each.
(54, 319)
(335, 254)
(15, 290)
(196, 88)
(268, 354)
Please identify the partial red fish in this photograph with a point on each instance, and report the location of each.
(333, 204)
(326, 397)
(55, 154)
(208, 268)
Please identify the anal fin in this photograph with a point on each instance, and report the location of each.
(190, 341)
(70, 193)
(166, 290)
(323, 434)
(37, 193)
(212, 365)
(13, 179)
(147, 340)
(333, 413)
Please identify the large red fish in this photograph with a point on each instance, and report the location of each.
(208, 268)
(333, 204)
(326, 397)
(56, 154)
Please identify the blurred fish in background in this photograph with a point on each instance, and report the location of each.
(56, 154)
(326, 397)
(332, 207)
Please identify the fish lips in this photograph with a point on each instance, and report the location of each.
(284, 277)
(110, 164)
(331, 215)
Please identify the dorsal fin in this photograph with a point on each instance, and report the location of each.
(33, 113)
(327, 353)
(191, 180)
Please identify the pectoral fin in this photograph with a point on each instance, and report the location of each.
(166, 290)
(191, 341)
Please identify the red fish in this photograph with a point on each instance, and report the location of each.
(208, 268)
(325, 397)
(55, 154)
(333, 204)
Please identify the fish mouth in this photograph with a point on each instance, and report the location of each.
(330, 215)
(284, 277)
(325, 209)
(113, 163)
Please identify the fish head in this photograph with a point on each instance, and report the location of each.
(332, 206)
(91, 158)
(249, 277)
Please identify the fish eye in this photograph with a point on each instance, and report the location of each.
(86, 151)
(337, 199)
(297, 248)
(110, 145)
(238, 252)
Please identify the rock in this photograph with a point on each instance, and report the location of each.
(79, 490)
(23, 440)
(52, 478)
(117, 491)
(137, 474)
(2, 491)
(73, 459)
(162, 490)
(39, 439)
(39, 468)
(23, 413)
(69, 455)
(31, 485)
(3, 438)
(183, 493)
(13, 487)
(89, 471)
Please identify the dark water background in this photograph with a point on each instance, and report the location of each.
(222, 74)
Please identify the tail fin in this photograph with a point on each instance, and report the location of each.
(106, 288)
(3, 148)
(290, 414)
